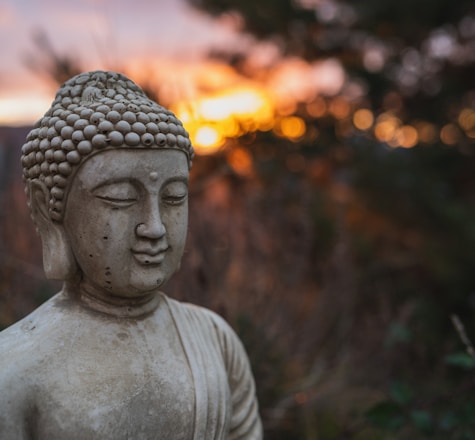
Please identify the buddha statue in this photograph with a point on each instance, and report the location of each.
(110, 356)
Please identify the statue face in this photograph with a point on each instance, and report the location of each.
(126, 219)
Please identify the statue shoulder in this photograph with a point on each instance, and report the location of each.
(206, 319)
(20, 354)
(22, 344)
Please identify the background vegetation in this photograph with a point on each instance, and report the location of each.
(343, 256)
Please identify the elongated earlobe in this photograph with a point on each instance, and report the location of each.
(58, 259)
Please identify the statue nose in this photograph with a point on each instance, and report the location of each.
(153, 227)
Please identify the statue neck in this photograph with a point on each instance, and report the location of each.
(97, 299)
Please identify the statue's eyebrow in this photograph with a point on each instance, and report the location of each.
(113, 181)
(136, 183)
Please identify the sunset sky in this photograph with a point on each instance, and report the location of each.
(164, 35)
(163, 44)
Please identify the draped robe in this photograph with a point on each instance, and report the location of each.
(70, 373)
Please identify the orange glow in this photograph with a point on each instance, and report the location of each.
(427, 132)
(449, 134)
(240, 161)
(466, 119)
(363, 119)
(389, 129)
(180, 81)
(339, 108)
(207, 140)
(236, 103)
(317, 108)
(407, 136)
(285, 107)
(213, 118)
(291, 127)
(386, 129)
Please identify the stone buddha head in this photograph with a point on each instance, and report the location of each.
(106, 173)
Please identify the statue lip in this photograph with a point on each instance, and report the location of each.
(149, 256)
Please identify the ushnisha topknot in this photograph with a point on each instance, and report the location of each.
(93, 112)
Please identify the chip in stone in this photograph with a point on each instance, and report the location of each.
(105, 127)
(147, 139)
(154, 117)
(96, 117)
(160, 139)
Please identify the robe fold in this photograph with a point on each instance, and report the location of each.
(225, 402)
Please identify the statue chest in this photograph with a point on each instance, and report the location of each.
(127, 385)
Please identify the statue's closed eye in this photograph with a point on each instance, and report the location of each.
(174, 193)
(120, 194)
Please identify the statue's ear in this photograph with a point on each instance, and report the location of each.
(58, 259)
